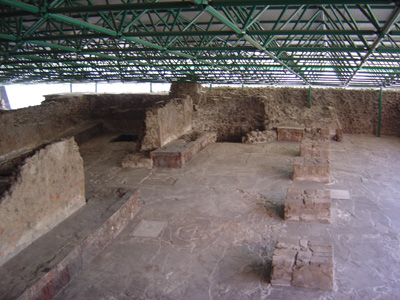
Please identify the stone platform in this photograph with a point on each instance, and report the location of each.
(41, 270)
(179, 152)
(303, 263)
(291, 134)
(308, 205)
(315, 148)
(311, 169)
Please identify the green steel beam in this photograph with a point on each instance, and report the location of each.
(392, 20)
(249, 39)
(22, 5)
(219, 3)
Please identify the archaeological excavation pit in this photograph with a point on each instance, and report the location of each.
(199, 150)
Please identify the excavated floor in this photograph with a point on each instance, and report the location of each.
(217, 220)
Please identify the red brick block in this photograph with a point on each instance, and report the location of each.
(311, 169)
(315, 148)
(292, 134)
(308, 205)
(303, 263)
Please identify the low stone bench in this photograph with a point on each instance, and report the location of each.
(292, 134)
(308, 205)
(303, 263)
(311, 169)
(179, 152)
(315, 148)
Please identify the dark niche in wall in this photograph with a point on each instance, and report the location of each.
(126, 138)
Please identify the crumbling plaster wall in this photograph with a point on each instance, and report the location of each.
(25, 129)
(221, 108)
(123, 112)
(49, 187)
(167, 122)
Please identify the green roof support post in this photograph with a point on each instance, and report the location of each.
(380, 112)
(151, 87)
(210, 87)
(70, 87)
(309, 95)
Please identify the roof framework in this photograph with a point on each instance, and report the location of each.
(328, 43)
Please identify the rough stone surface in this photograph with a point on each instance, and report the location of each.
(25, 129)
(137, 161)
(183, 89)
(50, 187)
(303, 263)
(233, 111)
(315, 148)
(123, 112)
(257, 137)
(308, 205)
(311, 169)
(317, 134)
(291, 134)
(167, 123)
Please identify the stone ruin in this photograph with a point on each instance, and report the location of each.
(303, 263)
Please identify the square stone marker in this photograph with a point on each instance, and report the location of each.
(308, 205)
(340, 194)
(303, 263)
(148, 228)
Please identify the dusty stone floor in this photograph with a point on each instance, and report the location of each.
(223, 216)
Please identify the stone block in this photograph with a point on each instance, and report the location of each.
(304, 264)
(311, 169)
(292, 134)
(179, 152)
(308, 205)
(315, 148)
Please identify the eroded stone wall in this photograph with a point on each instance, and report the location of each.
(167, 122)
(25, 129)
(123, 112)
(49, 187)
(229, 112)
(233, 112)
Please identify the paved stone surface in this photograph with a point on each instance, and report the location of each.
(308, 205)
(340, 194)
(224, 215)
(303, 263)
(148, 228)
